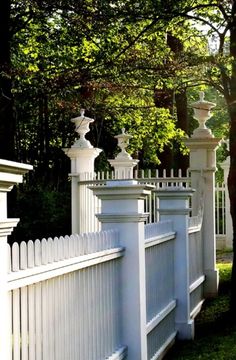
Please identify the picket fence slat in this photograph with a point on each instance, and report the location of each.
(16, 324)
(30, 254)
(24, 322)
(31, 322)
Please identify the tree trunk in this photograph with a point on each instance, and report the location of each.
(7, 122)
(182, 161)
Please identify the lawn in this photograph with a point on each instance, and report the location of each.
(215, 336)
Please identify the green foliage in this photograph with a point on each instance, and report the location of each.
(63, 61)
(43, 213)
(114, 60)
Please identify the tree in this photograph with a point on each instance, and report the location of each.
(220, 19)
(6, 104)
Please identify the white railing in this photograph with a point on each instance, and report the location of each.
(89, 205)
(65, 298)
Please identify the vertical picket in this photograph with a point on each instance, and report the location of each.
(24, 322)
(30, 254)
(16, 325)
(32, 315)
(37, 253)
(10, 327)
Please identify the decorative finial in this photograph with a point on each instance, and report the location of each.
(202, 112)
(201, 96)
(82, 128)
(123, 142)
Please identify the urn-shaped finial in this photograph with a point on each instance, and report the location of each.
(82, 128)
(202, 112)
(123, 142)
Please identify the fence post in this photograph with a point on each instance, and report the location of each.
(123, 209)
(10, 174)
(203, 145)
(82, 155)
(228, 220)
(174, 205)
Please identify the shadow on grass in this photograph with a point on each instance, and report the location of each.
(215, 333)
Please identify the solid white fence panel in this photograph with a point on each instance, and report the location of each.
(196, 274)
(160, 306)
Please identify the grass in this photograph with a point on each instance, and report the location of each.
(215, 337)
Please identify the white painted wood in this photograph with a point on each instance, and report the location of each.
(9, 258)
(38, 321)
(45, 329)
(37, 253)
(30, 254)
(160, 316)
(131, 228)
(45, 254)
(32, 325)
(15, 257)
(174, 205)
(23, 256)
(16, 325)
(203, 167)
(24, 322)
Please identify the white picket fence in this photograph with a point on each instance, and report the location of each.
(65, 299)
(125, 292)
(65, 294)
(89, 205)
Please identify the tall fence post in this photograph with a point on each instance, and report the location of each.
(123, 209)
(82, 155)
(228, 220)
(174, 205)
(10, 174)
(203, 145)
